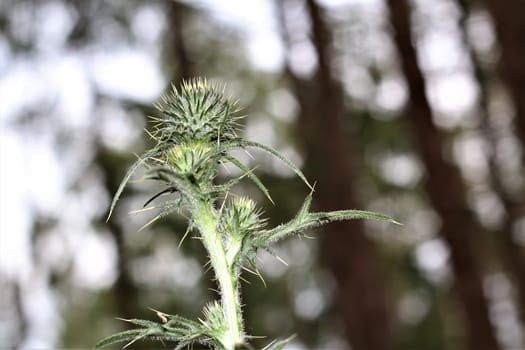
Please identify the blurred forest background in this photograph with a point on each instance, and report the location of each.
(411, 108)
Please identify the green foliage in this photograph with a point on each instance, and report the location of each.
(196, 132)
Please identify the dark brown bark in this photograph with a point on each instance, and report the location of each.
(512, 254)
(445, 189)
(350, 255)
(177, 44)
(510, 30)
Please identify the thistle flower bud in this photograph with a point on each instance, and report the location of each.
(198, 112)
(241, 217)
(192, 158)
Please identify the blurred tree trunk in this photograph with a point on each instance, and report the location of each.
(176, 43)
(361, 295)
(445, 188)
(512, 254)
(510, 29)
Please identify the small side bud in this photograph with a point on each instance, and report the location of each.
(241, 217)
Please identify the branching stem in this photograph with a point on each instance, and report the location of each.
(207, 223)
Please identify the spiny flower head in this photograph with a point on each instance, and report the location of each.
(198, 112)
(187, 157)
(241, 217)
(192, 158)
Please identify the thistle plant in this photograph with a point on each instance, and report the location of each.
(197, 129)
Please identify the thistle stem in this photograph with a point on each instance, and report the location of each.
(207, 223)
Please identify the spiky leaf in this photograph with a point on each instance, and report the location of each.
(250, 175)
(126, 178)
(304, 221)
(278, 344)
(121, 337)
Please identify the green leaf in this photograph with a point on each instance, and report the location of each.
(119, 338)
(174, 320)
(305, 208)
(142, 323)
(304, 221)
(244, 143)
(339, 215)
(278, 345)
(126, 178)
(166, 209)
(174, 329)
(223, 188)
(183, 185)
(250, 175)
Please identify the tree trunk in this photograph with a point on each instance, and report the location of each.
(445, 189)
(350, 255)
(512, 254)
(176, 44)
(510, 30)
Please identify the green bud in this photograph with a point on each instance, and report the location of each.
(192, 159)
(241, 217)
(198, 112)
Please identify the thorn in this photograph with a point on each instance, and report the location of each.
(249, 270)
(224, 202)
(207, 270)
(150, 135)
(183, 237)
(141, 210)
(162, 316)
(256, 336)
(214, 290)
(225, 167)
(261, 278)
(148, 223)
(248, 153)
(131, 342)
(281, 260)
(244, 280)
(312, 188)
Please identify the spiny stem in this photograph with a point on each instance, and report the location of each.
(207, 223)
